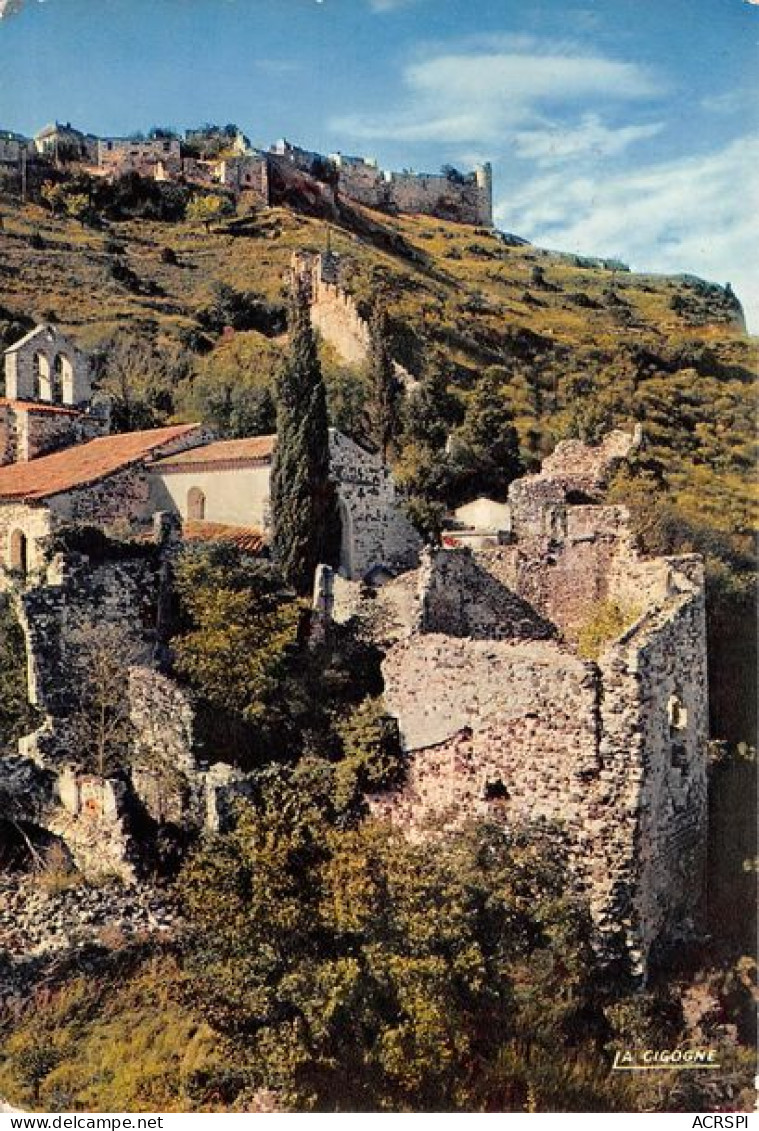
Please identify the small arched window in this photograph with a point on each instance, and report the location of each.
(196, 503)
(18, 553)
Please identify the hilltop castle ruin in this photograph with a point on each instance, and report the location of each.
(213, 157)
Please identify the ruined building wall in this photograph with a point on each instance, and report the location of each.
(248, 175)
(566, 574)
(670, 664)
(460, 594)
(500, 721)
(374, 529)
(17, 520)
(77, 593)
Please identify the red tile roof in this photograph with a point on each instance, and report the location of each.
(247, 538)
(84, 463)
(230, 453)
(38, 406)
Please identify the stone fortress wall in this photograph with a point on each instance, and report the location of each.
(334, 313)
(465, 198)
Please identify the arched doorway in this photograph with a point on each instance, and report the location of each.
(18, 556)
(63, 380)
(57, 378)
(196, 503)
(346, 540)
(42, 383)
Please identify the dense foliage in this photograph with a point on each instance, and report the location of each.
(16, 713)
(321, 955)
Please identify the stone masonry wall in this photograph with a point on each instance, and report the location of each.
(80, 594)
(614, 750)
(34, 522)
(460, 596)
(375, 530)
(466, 201)
(669, 660)
(335, 315)
(566, 576)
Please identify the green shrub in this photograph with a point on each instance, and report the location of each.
(606, 622)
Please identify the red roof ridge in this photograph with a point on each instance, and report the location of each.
(40, 406)
(250, 538)
(83, 464)
(248, 448)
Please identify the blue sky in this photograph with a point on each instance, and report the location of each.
(615, 127)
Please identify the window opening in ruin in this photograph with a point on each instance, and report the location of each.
(19, 553)
(496, 791)
(679, 758)
(578, 498)
(677, 714)
(196, 503)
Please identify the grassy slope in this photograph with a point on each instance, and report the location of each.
(688, 376)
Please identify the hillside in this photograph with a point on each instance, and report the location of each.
(294, 961)
(563, 331)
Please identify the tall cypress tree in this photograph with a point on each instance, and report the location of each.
(305, 521)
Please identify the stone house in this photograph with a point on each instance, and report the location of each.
(62, 466)
(119, 155)
(62, 142)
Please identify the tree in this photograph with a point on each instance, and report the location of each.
(101, 654)
(484, 454)
(208, 207)
(141, 377)
(54, 196)
(238, 630)
(305, 522)
(385, 387)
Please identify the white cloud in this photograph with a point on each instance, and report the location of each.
(389, 5)
(489, 86)
(554, 144)
(694, 214)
